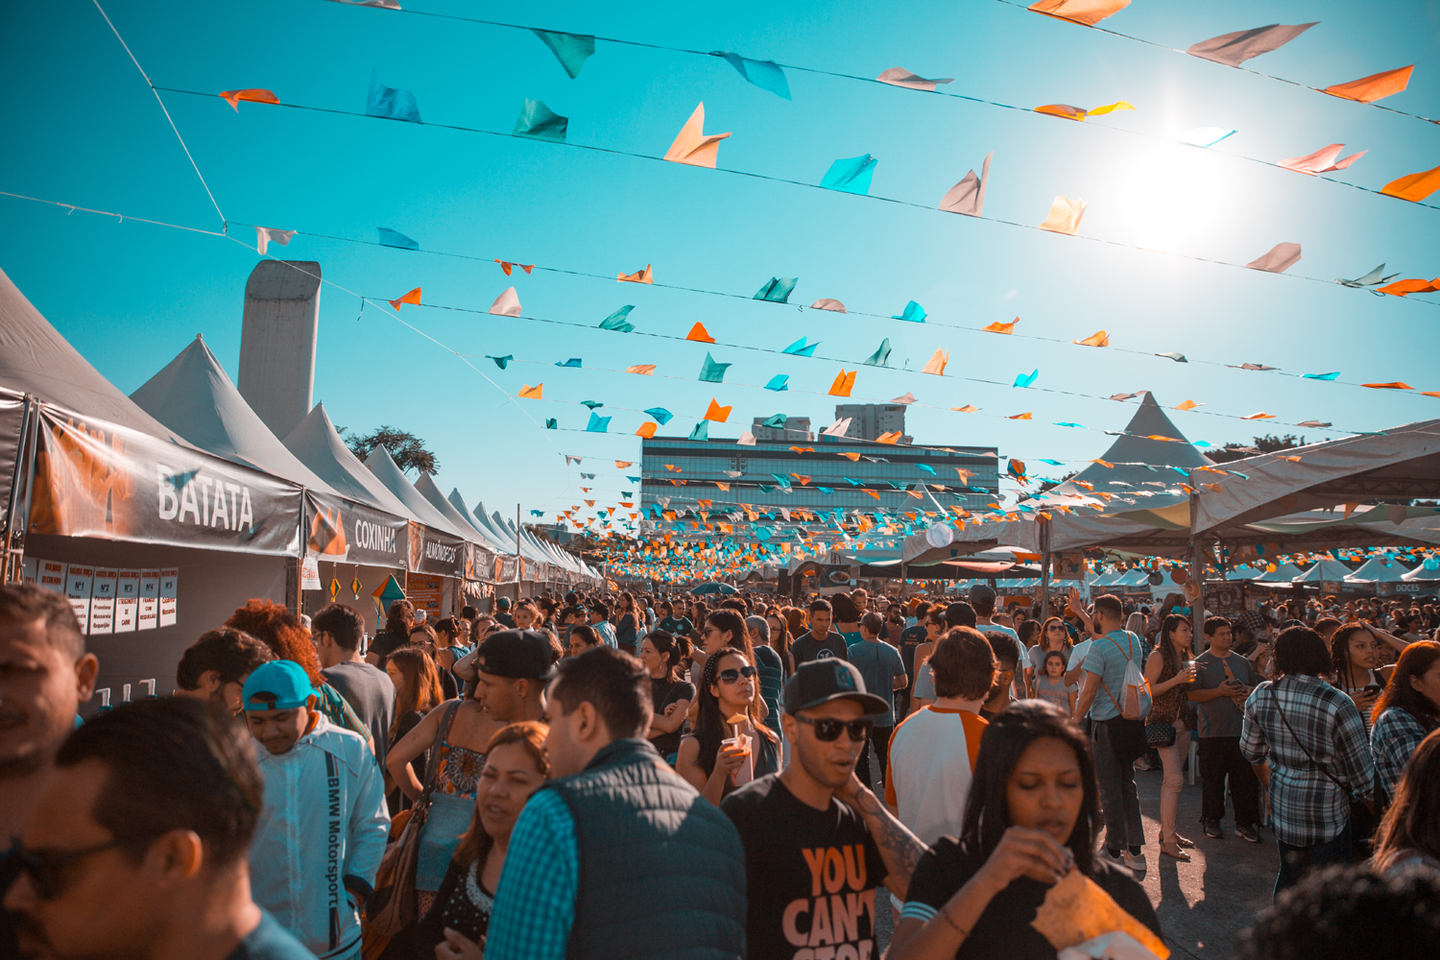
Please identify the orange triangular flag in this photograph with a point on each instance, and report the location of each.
(644, 369)
(936, 363)
(251, 96)
(692, 146)
(699, 333)
(1088, 12)
(852, 457)
(1397, 385)
(1415, 187)
(998, 327)
(873, 494)
(1401, 288)
(412, 297)
(1100, 339)
(1104, 463)
(1019, 416)
(639, 276)
(843, 384)
(889, 437)
(1062, 110)
(531, 393)
(507, 265)
(716, 412)
(1259, 416)
(1374, 87)
(1187, 405)
(968, 408)
(589, 503)
(722, 486)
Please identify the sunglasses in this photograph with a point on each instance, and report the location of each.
(734, 674)
(828, 729)
(49, 871)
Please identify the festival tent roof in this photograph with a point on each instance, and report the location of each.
(1285, 573)
(1424, 572)
(1376, 570)
(1246, 572)
(487, 535)
(425, 486)
(36, 359)
(383, 466)
(193, 396)
(1108, 579)
(1134, 578)
(496, 533)
(1331, 570)
(1402, 463)
(318, 445)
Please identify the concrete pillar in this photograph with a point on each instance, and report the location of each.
(277, 341)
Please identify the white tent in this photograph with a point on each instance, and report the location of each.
(487, 536)
(383, 466)
(1377, 570)
(193, 396)
(1285, 573)
(1246, 572)
(1323, 570)
(1423, 574)
(425, 486)
(317, 444)
(36, 359)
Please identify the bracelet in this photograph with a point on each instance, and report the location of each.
(945, 915)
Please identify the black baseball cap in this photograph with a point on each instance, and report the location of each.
(982, 592)
(960, 614)
(516, 655)
(820, 681)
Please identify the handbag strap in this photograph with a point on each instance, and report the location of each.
(1305, 750)
(432, 769)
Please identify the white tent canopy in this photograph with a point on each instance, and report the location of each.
(36, 359)
(193, 396)
(1332, 570)
(1284, 573)
(487, 536)
(1422, 574)
(318, 445)
(1377, 570)
(425, 486)
(383, 466)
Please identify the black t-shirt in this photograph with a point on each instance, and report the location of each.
(1003, 931)
(9, 873)
(662, 694)
(675, 626)
(385, 643)
(807, 648)
(909, 641)
(811, 874)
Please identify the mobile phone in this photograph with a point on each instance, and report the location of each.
(1371, 688)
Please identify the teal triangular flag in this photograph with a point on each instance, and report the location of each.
(389, 102)
(927, 468)
(778, 382)
(501, 361)
(765, 74)
(572, 362)
(701, 431)
(539, 122)
(778, 420)
(394, 238)
(597, 424)
(881, 356)
(571, 49)
(591, 404)
(801, 349)
(777, 290)
(913, 312)
(850, 176)
(635, 479)
(713, 372)
(552, 424)
(616, 321)
(660, 414)
(1322, 376)
(1025, 379)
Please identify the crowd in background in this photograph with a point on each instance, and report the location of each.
(612, 775)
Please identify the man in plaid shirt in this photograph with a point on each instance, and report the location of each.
(1308, 732)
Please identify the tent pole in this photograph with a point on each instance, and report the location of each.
(1197, 606)
(1044, 572)
(12, 531)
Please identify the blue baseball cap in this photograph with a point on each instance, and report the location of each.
(285, 682)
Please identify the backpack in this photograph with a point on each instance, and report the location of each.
(1135, 700)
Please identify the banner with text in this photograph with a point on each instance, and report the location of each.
(343, 530)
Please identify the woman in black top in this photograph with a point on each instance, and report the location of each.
(1031, 819)
(670, 696)
(729, 688)
(515, 767)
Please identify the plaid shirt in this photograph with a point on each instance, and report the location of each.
(1396, 735)
(535, 901)
(1306, 806)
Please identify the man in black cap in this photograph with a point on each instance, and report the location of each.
(817, 842)
(509, 669)
(959, 614)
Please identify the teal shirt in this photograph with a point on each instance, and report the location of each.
(1108, 657)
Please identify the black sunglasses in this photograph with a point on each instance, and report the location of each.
(828, 728)
(733, 674)
(48, 871)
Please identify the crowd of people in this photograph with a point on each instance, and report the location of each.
(613, 775)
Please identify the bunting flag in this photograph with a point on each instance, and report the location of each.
(1065, 215)
(1203, 137)
(394, 238)
(1177, 357)
(1388, 386)
(499, 361)
(264, 236)
(881, 356)
(900, 77)
(1098, 339)
(1066, 112)
(913, 313)
(701, 431)
(778, 382)
(1259, 416)
(716, 412)
(644, 369)
(1281, 257)
(905, 399)
(968, 408)
(692, 146)
(1404, 288)
(850, 176)
(597, 424)
(617, 322)
(1372, 279)
(571, 49)
(747, 439)
(968, 196)
(1377, 86)
(539, 122)
(572, 362)
(828, 304)
(699, 334)
(507, 304)
(801, 349)
(390, 103)
(936, 364)
(647, 430)
(414, 297)
(712, 372)
(765, 74)
(889, 436)
(837, 429)
(1233, 49)
(844, 383)
(661, 414)
(591, 404)
(776, 421)
(777, 290)
(1086, 12)
(1026, 379)
(1005, 328)
(1187, 405)
(1321, 161)
(532, 393)
(639, 276)
(1415, 187)
(1321, 376)
(508, 265)
(233, 97)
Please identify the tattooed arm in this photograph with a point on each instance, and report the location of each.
(899, 848)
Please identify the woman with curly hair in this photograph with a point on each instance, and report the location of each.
(280, 630)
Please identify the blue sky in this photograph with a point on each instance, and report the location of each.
(87, 131)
